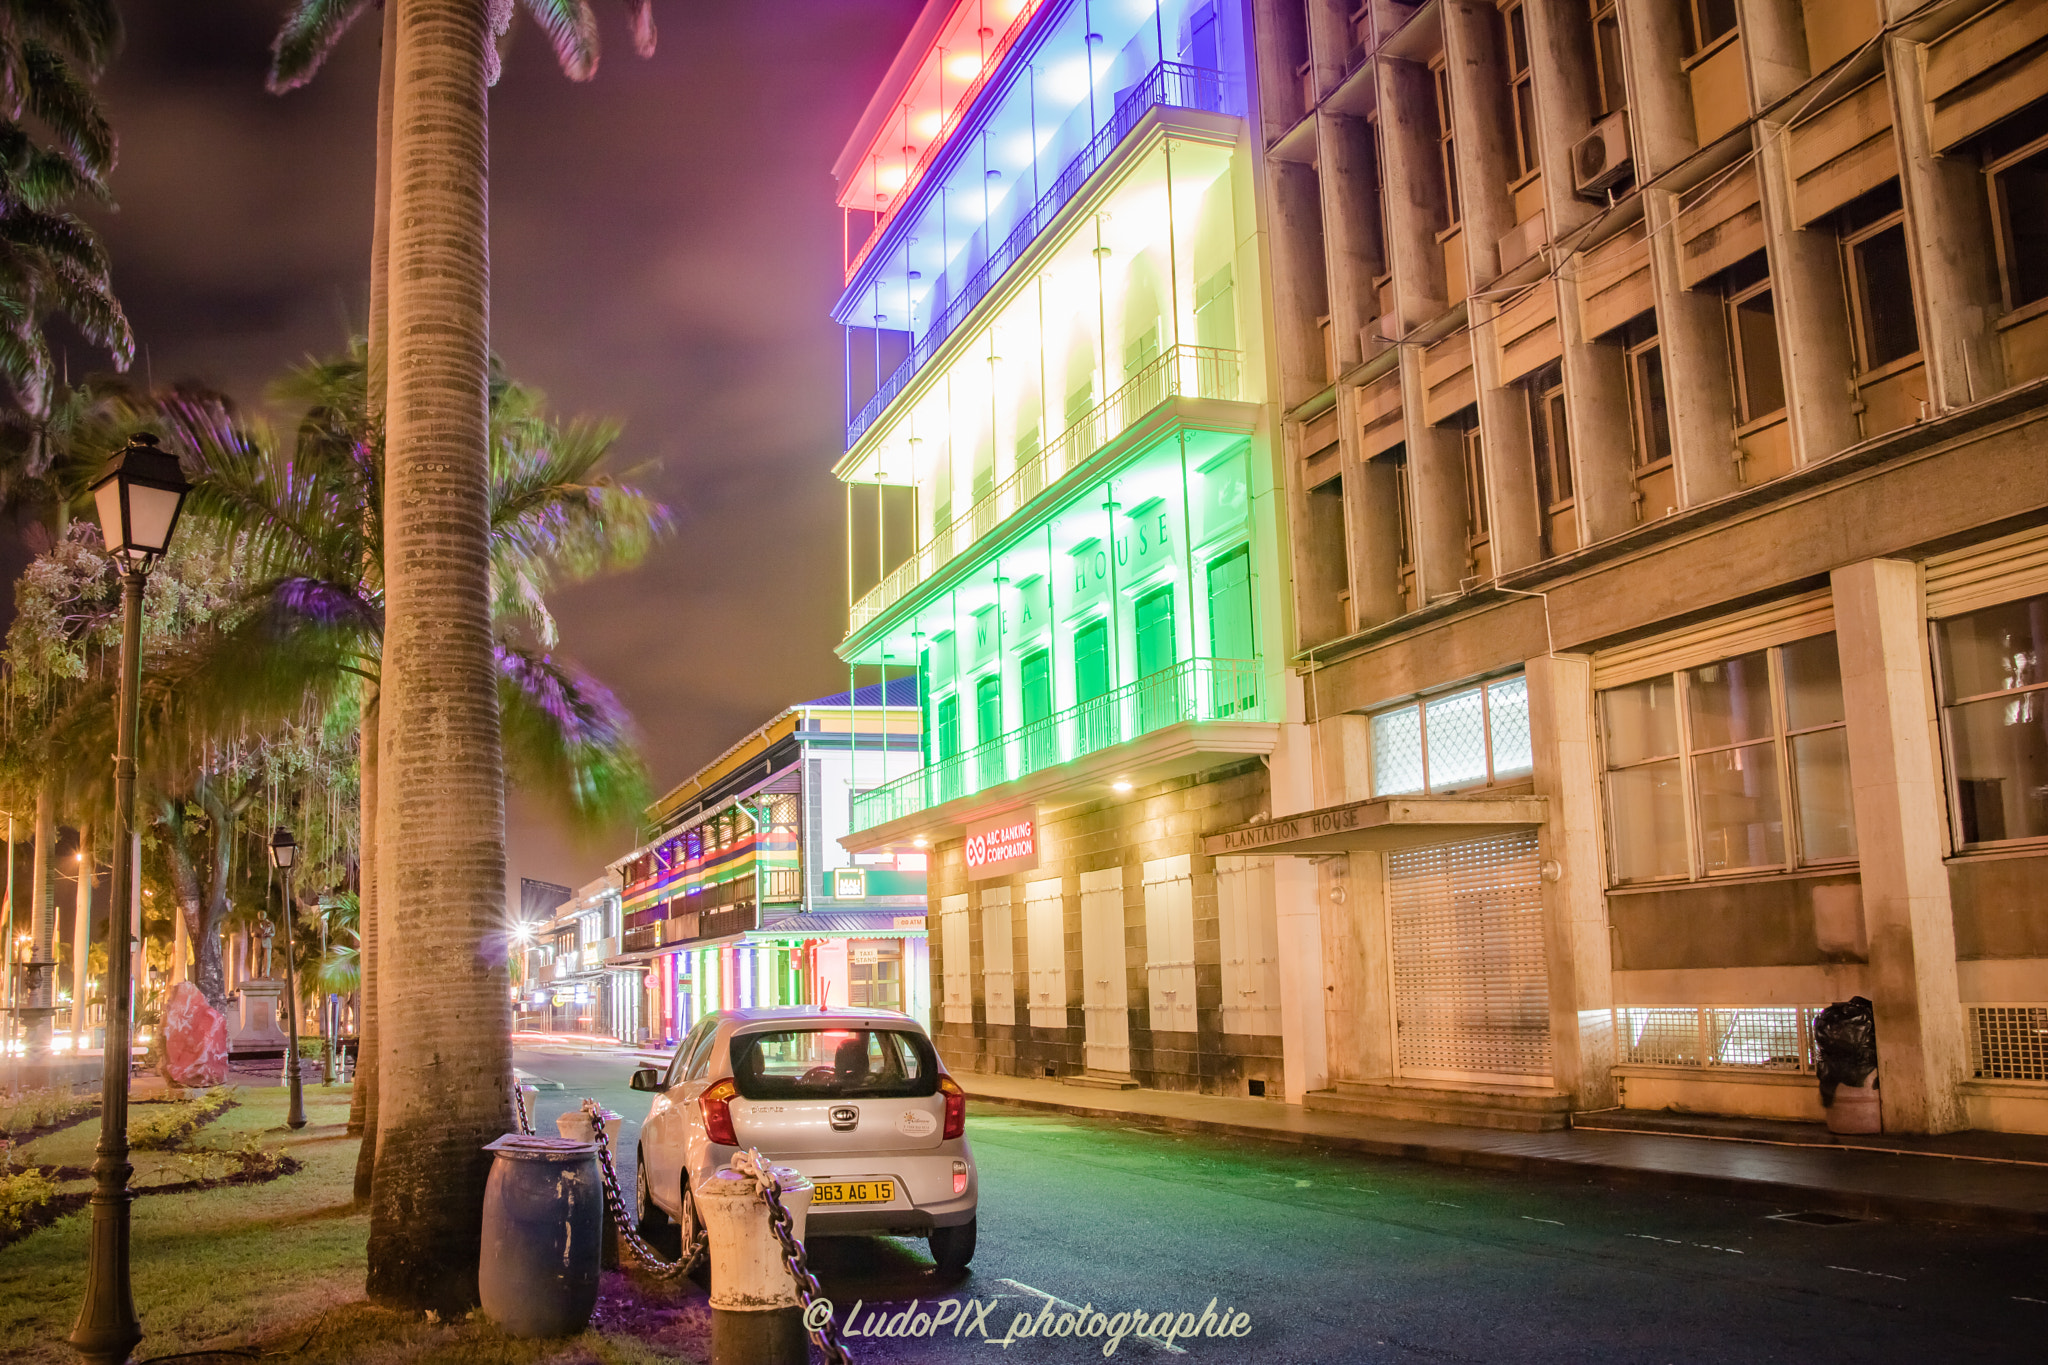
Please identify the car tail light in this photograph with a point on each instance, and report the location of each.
(717, 1107)
(956, 1108)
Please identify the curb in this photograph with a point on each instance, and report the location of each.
(1855, 1203)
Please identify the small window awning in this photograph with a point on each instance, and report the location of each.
(1383, 824)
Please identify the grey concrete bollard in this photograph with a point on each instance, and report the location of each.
(577, 1127)
(756, 1316)
(538, 1273)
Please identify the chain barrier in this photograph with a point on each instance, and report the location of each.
(825, 1338)
(627, 1224)
(519, 1109)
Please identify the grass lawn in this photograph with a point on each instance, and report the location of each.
(278, 1267)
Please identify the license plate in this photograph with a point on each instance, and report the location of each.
(854, 1192)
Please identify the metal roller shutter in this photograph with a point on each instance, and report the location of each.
(1471, 995)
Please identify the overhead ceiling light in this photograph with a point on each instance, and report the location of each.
(920, 841)
(1122, 784)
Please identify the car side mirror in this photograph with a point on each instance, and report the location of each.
(647, 1078)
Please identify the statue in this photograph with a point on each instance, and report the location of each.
(265, 931)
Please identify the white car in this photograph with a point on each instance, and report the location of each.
(856, 1099)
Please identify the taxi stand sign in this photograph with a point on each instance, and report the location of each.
(1006, 844)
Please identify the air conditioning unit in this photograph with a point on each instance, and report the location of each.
(1522, 242)
(1600, 159)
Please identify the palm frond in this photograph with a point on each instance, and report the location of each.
(67, 107)
(643, 26)
(567, 740)
(571, 28)
(309, 34)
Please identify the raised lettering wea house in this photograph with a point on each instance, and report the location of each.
(1064, 496)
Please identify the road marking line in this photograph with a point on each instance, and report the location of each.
(1879, 1274)
(1679, 1242)
(1552, 1221)
(2022, 1298)
(1157, 1343)
(1442, 1205)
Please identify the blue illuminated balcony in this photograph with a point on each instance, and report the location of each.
(1171, 85)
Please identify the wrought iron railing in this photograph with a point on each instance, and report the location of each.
(1197, 689)
(1194, 371)
(1169, 83)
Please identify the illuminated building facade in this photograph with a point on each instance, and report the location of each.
(1068, 529)
(743, 897)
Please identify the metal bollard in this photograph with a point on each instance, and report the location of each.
(577, 1127)
(756, 1316)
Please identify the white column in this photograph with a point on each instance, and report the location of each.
(1895, 775)
(1576, 950)
(81, 941)
(1298, 917)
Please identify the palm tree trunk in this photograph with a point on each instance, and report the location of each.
(444, 1065)
(362, 1117)
(81, 948)
(362, 1104)
(43, 944)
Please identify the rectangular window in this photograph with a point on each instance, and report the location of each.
(2019, 200)
(1550, 438)
(1158, 686)
(1649, 409)
(1527, 156)
(1475, 737)
(1740, 765)
(1034, 704)
(1478, 559)
(1216, 311)
(1753, 341)
(1447, 146)
(1708, 21)
(1993, 679)
(1607, 56)
(988, 726)
(1230, 631)
(1091, 684)
(1880, 278)
(1404, 510)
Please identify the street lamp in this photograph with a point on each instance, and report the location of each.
(283, 852)
(139, 495)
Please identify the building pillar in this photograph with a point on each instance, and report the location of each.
(1361, 983)
(1576, 947)
(1896, 776)
(1697, 371)
(1812, 310)
(1298, 914)
(1948, 237)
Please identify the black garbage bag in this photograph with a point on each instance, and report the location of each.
(1845, 1039)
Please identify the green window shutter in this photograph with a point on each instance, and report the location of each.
(949, 726)
(1034, 685)
(1154, 620)
(988, 709)
(1230, 631)
(1091, 661)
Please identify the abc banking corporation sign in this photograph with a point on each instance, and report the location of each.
(1006, 844)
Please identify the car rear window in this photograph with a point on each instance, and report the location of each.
(834, 1063)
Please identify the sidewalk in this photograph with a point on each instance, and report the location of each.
(1985, 1179)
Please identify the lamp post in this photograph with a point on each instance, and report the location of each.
(138, 496)
(284, 852)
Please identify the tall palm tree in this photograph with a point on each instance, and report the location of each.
(55, 145)
(444, 1062)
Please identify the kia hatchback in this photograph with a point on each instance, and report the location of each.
(855, 1099)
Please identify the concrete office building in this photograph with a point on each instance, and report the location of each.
(1665, 391)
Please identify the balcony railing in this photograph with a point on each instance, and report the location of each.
(782, 884)
(1196, 371)
(1198, 689)
(1169, 83)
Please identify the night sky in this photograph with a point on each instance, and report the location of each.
(664, 250)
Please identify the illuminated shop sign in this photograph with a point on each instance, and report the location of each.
(849, 884)
(1004, 845)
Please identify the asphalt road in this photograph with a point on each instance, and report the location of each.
(1344, 1258)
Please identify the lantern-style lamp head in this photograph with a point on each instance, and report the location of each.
(283, 849)
(139, 494)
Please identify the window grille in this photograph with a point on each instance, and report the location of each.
(1748, 1038)
(2008, 1042)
